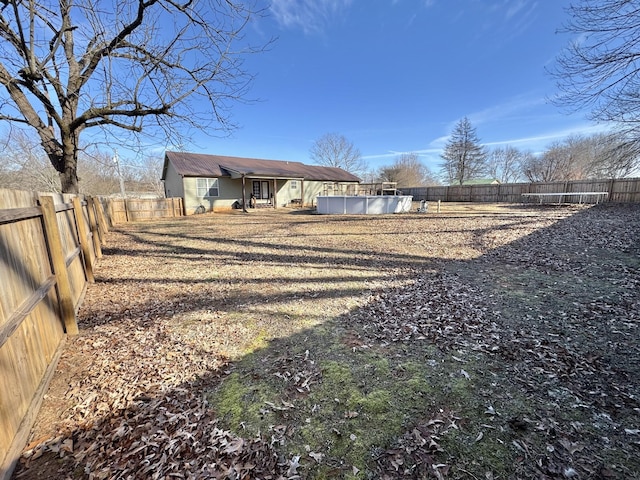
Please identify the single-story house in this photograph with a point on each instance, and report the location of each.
(217, 182)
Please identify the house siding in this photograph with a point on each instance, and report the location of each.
(311, 190)
(229, 192)
(314, 188)
(173, 185)
(191, 200)
(285, 193)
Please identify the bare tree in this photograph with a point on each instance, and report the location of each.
(97, 173)
(603, 155)
(464, 157)
(26, 166)
(69, 66)
(504, 163)
(613, 156)
(564, 160)
(600, 69)
(551, 166)
(151, 174)
(370, 175)
(526, 165)
(334, 150)
(408, 171)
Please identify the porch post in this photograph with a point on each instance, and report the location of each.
(302, 193)
(275, 193)
(244, 197)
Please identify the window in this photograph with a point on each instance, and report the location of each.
(207, 187)
(294, 184)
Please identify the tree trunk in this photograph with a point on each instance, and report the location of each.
(69, 177)
(67, 165)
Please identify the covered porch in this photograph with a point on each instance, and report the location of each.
(271, 192)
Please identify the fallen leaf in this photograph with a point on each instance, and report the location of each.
(316, 456)
(294, 464)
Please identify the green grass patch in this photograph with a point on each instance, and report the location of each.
(359, 403)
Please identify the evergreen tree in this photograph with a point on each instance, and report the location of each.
(464, 157)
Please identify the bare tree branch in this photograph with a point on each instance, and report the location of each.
(605, 155)
(600, 68)
(68, 66)
(407, 171)
(334, 150)
(504, 163)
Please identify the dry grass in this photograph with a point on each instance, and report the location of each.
(482, 342)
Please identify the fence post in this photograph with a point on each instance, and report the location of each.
(102, 218)
(94, 226)
(59, 263)
(610, 196)
(112, 215)
(126, 211)
(82, 237)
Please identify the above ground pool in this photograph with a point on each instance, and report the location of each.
(366, 205)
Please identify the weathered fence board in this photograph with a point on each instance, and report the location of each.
(46, 249)
(139, 209)
(623, 190)
(627, 191)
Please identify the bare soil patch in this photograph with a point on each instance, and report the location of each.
(487, 341)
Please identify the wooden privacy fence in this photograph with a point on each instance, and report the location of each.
(623, 190)
(49, 244)
(136, 209)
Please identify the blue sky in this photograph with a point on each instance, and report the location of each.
(395, 76)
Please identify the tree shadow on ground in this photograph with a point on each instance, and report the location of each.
(519, 363)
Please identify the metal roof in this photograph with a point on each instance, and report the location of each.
(203, 165)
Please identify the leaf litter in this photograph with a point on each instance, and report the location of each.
(541, 301)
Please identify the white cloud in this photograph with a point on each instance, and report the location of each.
(438, 144)
(514, 8)
(394, 153)
(430, 157)
(379, 156)
(522, 17)
(514, 105)
(425, 3)
(538, 143)
(311, 16)
(513, 17)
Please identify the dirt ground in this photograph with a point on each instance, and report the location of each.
(484, 341)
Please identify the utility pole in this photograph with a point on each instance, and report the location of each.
(116, 160)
